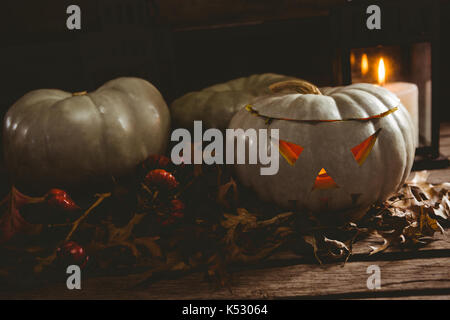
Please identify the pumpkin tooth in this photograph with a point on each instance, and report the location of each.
(290, 151)
(324, 181)
(362, 150)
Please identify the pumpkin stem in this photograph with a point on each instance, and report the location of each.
(299, 86)
(82, 93)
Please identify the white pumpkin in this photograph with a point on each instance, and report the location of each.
(341, 166)
(53, 138)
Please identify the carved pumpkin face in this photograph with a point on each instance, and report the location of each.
(339, 152)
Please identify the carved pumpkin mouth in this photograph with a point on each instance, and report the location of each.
(324, 181)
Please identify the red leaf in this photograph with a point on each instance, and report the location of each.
(12, 222)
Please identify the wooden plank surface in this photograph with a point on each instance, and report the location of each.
(404, 273)
(398, 278)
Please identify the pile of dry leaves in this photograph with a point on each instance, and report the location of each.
(182, 218)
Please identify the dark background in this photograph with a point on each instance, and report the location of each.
(178, 45)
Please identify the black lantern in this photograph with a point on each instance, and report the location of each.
(401, 53)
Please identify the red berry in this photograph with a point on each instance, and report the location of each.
(177, 205)
(168, 221)
(60, 199)
(72, 253)
(177, 214)
(177, 208)
(175, 211)
(161, 178)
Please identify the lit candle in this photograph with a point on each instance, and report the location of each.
(407, 92)
(364, 64)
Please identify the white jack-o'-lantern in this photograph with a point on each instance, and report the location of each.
(340, 149)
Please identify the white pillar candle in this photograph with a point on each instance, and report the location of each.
(408, 93)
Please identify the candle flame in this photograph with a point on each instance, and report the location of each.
(352, 59)
(381, 72)
(364, 64)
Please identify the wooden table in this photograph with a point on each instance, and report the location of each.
(418, 274)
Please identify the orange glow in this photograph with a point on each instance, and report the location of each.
(290, 151)
(352, 58)
(364, 64)
(324, 181)
(362, 150)
(381, 72)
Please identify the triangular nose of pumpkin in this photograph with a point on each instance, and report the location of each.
(324, 181)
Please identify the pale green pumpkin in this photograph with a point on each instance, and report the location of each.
(217, 104)
(53, 138)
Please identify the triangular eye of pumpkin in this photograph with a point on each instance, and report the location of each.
(290, 151)
(362, 150)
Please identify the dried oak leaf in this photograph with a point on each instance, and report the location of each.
(428, 225)
(217, 272)
(244, 222)
(123, 236)
(150, 244)
(435, 195)
(384, 246)
(226, 192)
(327, 249)
(411, 215)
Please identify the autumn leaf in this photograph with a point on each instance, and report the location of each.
(12, 222)
(267, 233)
(150, 244)
(227, 191)
(411, 215)
(381, 248)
